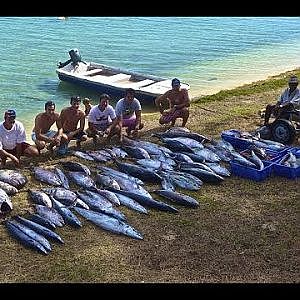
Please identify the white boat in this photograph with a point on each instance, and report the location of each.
(111, 80)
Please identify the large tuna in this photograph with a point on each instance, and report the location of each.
(67, 214)
(40, 197)
(46, 232)
(8, 188)
(75, 166)
(178, 198)
(26, 240)
(147, 201)
(32, 234)
(46, 176)
(83, 180)
(109, 223)
(15, 178)
(140, 172)
(51, 214)
(131, 203)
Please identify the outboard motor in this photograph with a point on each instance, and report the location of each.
(75, 59)
(75, 56)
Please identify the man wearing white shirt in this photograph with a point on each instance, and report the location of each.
(13, 140)
(289, 100)
(100, 119)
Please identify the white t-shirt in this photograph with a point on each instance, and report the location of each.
(294, 97)
(98, 117)
(9, 138)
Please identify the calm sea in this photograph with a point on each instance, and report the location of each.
(210, 53)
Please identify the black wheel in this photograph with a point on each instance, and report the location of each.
(283, 131)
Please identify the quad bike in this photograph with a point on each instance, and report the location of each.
(284, 129)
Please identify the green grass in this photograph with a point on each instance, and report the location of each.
(224, 240)
(274, 83)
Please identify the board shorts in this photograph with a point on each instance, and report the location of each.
(172, 116)
(129, 122)
(49, 134)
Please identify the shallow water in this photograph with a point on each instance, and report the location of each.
(210, 53)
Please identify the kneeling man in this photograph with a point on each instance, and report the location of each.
(178, 102)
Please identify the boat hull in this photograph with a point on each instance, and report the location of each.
(114, 92)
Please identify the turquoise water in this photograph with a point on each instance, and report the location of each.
(210, 53)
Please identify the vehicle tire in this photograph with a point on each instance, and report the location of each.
(283, 131)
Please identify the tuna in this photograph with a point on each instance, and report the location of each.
(83, 180)
(46, 176)
(46, 232)
(131, 203)
(65, 196)
(75, 166)
(26, 240)
(67, 214)
(109, 223)
(40, 197)
(14, 178)
(51, 214)
(64, 180)
(147, 201)
(100, 204)
(141, 173)
(105, 180)
(8, 188)
(136, 152)
(178, 198)
(33, 234)
(42, 221)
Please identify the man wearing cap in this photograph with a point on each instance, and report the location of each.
(289, 100)
(70, 117)
(42, 134)
(178, 102)
(13, 140)
(100, 120)
(128, 114)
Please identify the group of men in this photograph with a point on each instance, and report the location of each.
(103, 121)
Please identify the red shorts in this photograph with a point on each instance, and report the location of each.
(172, 116)
(23, 148)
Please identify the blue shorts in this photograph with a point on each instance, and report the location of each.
(49, 134)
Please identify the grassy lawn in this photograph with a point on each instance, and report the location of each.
(243, 231)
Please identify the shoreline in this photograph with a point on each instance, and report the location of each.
(194, 96)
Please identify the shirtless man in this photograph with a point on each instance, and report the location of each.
(41, 133)
(178, 102)
(69, 118)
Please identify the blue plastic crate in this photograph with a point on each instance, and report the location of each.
(285, 171)
(251, 173)
(232, 136)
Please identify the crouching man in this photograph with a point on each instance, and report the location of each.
(13, 140)
(100, 120)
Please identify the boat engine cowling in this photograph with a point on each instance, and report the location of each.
(75, 56)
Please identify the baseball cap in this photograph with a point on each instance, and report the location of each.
(10, 113)
(175, 82)
(293, 79)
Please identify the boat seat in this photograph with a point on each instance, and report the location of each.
(91, 72)
(118, 77)
(138, 84)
